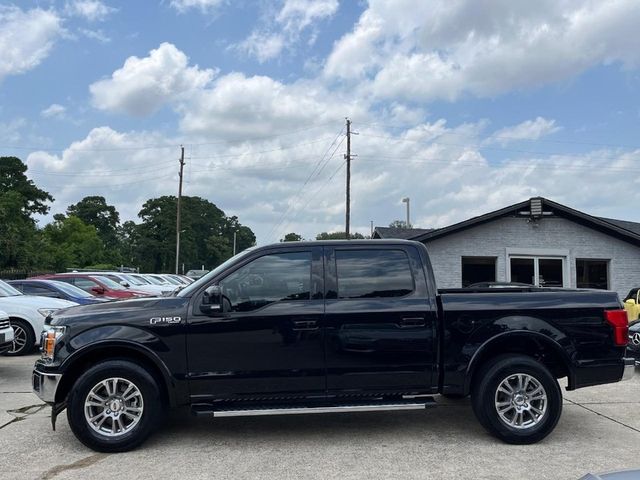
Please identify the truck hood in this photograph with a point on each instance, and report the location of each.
(119, 311)
(35, 302)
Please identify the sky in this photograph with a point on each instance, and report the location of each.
(465, 106)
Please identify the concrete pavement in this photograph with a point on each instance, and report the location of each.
(598, 431)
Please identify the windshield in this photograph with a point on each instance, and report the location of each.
(69, 289)
(110, 284)
(154, 280)
(7, 290)
(189, 289)
(141, 279)
(171, 280)
(132, 280)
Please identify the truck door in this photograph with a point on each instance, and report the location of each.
(380, 323)
(267, 340)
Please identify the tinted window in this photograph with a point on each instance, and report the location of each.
(268, 279)
(84, 283)
(42, 291)
(373, 273)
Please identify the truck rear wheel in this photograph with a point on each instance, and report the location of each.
(114, 406)
(517, 399)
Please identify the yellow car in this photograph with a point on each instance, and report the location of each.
(632, 304)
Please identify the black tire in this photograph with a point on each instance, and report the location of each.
(152, 410)
(484, 399)
(22, 330)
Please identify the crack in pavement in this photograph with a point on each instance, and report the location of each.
(603, 415)
(82, 463)
(22, 413)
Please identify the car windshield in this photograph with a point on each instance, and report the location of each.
(7, 290)
(141, 279)
(171, 280)
(110, 284)
(132, 280)
(189, 289)
(154, 280)
(69, 289)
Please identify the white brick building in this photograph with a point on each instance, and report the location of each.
(538, 242)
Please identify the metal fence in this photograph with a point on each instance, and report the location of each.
(13, 274)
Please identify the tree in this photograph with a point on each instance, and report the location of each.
(338, 236)
(203, 224)
(399, 224)
(20, 198)
(95, 211)
(71, 243)
(292, 237)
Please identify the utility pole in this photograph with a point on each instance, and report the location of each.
(178, 209)
(235, 236)
(348, 159)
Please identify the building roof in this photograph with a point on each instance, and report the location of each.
(535, 208)
(404, 233)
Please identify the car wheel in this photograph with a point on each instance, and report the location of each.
(23, 338)
(114, 406)
(517, 399)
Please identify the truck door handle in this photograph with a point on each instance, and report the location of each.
(305, 325)
(412, 322)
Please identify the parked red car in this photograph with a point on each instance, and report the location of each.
(96, 285)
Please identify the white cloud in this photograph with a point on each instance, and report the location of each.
(91, 10)
(11, 132)
(54, 110)
(440, 49)
(97, 35)
(26, 38)
(527, 130)
(205, 6)
(143, 85)
(286, 28)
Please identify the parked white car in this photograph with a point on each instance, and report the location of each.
(6, 332)
(26, 316)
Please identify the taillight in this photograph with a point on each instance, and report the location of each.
(618, 320)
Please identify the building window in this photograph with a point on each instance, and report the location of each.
(478, 269)
(592, 274)
(538, 271)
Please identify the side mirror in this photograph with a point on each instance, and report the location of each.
(211, 300)
(630, 302)
(124, 284)
(98, 290)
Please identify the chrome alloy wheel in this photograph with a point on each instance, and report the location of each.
(19, 338)
(113, 407)
(521, 401)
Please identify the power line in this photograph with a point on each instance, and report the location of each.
(317, 169)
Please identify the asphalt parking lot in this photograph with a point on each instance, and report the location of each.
(599, 431)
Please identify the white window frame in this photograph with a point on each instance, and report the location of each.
(538, 254)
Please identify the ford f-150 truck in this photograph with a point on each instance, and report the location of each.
(311, 327)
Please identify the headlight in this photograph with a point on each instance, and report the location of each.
(50, 336)
(45, 312)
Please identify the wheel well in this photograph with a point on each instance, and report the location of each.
(539, 349)
(28, 324)
(89, 359)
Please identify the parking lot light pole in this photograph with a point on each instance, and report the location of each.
(178, 210)
(407, 201)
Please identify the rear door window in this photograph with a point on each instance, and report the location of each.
(373, 273)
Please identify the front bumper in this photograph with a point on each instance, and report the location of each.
(6, 339)
(45, 385)
(629, 369)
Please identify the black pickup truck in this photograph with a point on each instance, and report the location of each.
(311, 327)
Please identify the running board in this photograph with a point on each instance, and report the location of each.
(413, 404)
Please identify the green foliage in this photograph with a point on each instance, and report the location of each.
(338, 236)
(72, 243)
(90, 234)
(399, 224)
(292, 237)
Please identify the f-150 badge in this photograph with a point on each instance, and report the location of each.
(156, 320)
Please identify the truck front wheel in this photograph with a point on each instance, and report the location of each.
(114, 406)
(517, 399)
